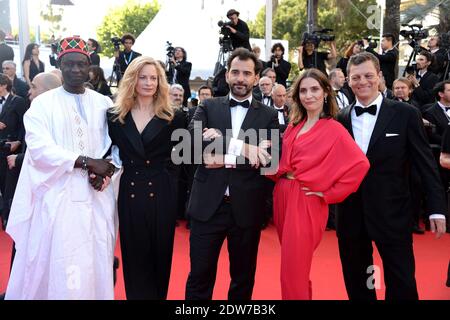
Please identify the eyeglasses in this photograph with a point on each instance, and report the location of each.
(368, 77)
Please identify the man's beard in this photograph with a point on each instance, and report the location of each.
(240, 93)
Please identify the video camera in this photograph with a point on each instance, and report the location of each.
(223, 28)
(170, 50)
(225, 39)
(116, 42)
(316, 36)
(416, 33)
(445, 40)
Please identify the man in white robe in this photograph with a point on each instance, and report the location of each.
(63, 227)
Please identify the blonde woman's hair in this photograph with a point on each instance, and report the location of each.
(127, 95)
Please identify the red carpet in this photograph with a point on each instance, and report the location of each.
(432, 258)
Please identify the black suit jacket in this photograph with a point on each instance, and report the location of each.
(183, 74)
(12, 116)
(436, 116)
(423, 94)
(245, 182)
(381, 206)
(6, 53)
(282, 70)
(20, 88)
(242, 36)
(388, 61)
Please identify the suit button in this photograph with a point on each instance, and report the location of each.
(133, 196)
(152, 195)
(150, 184)
(147, 162)
(132, 184)
(132, 161)
(137, 172)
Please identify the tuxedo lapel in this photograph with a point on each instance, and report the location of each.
(384, 117)
(225, 114)
(346, 114)
(131, 132)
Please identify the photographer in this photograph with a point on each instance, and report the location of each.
(388, 59)
(180, 71)
(281, 66)
(53, 56)
(240, 33)
(124, 57)
(422, 80)
(94, 49)
(438, 64)
(308, 57)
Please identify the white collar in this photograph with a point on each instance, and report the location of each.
(249, 98)
(6, 97)
(378, 101)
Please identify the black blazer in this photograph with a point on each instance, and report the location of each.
(20, 88)
(245, 182)
(183, 73)
(423, 94)
(436, 116)
(6, 53)
(12, 115)
(281, 71)
(242, 36)
(388, 62)
(381, 205)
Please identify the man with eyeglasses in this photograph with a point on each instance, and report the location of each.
(392, 136)
(20, 87)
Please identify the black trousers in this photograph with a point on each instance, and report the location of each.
(398, 263)
(206, 240)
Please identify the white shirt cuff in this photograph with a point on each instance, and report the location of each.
(437, 216)
(235, 147)
(230, 161)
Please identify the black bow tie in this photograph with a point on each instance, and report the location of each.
(2, 99)
(267, 97)
(280, 110)
(243, 104)
(360, 110)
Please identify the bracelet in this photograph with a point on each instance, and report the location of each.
(84, 161)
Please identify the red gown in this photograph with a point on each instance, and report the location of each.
(325, 159)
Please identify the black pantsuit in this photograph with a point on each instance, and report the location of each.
(146, 207)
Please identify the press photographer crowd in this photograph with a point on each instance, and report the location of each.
(362, 150)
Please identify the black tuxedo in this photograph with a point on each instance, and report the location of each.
(6, 53)
(283, 127)
(439, 63)
(423, 94)
(388, 61)
(125, 58)
(215, 217)
(380, 209)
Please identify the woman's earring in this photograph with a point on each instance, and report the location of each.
(325, 100)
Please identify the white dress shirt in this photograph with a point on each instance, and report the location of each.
(364, 124)
(3, 103)
(280, 114)
(446, 112)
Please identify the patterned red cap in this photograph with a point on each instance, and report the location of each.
(72, 44)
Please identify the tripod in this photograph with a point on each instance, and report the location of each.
(115, 76)
(225, 48)
(412, 57)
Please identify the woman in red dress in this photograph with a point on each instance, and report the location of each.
(320, 164)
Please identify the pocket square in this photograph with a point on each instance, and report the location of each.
(391, 135)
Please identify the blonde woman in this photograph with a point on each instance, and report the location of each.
(141, 124)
